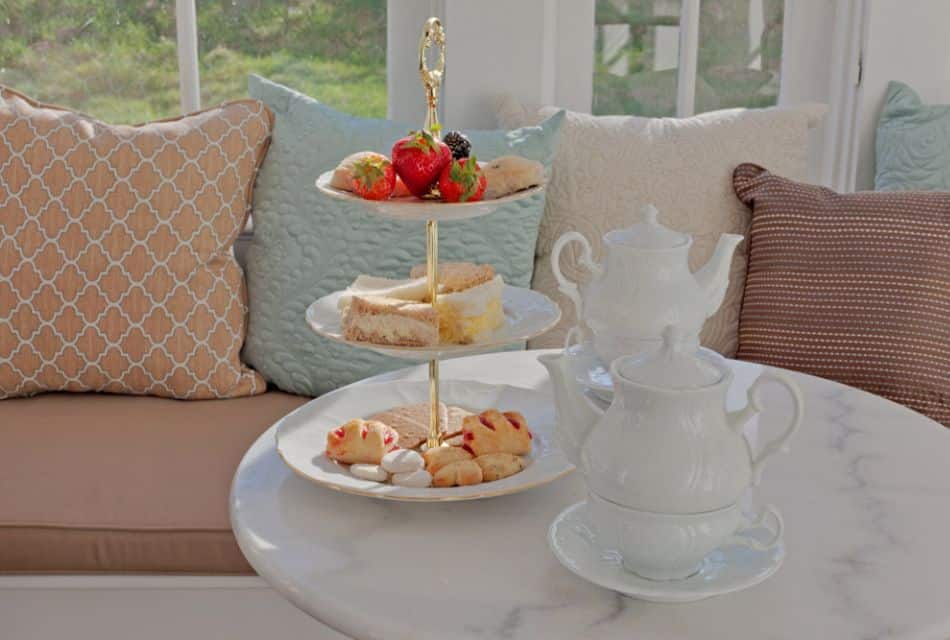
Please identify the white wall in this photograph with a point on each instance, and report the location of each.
(906, 41)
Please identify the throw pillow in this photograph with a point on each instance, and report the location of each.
(607, 167)
(116, 272)
(307, 245)
(912, 144)
(852, 287)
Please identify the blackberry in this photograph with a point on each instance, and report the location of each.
(458, 143)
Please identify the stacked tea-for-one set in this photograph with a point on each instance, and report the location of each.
(665, 463)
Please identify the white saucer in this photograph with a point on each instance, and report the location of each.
(302, 436)
(527, 314)
(725, 570)
(411, 208)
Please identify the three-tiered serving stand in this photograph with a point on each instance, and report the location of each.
(535, 312)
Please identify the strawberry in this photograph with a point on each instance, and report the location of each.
(374, 177)
(462, 181)
(419, 159)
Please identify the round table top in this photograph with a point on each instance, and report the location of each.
(865, 493)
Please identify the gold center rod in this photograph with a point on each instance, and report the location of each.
(432, 276)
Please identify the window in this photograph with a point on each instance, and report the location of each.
(117, 60)
(112, 59)
(639, 46)
(333, 50)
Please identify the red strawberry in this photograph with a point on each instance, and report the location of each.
(419, 159)
(462, 181)
(374, 177)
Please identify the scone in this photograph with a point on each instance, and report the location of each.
(457, 474)
(440, 457)
(361, 442)
(469, 303)
(496, 466)
(492, 431)
(381, 320)
(508, 174)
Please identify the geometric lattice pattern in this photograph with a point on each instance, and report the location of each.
(116, 264)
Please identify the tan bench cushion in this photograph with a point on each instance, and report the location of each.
(108, 483)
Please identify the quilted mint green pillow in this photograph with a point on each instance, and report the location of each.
(912, 144)
(307, 245)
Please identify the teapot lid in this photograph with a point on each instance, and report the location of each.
(649, 233)
(676, 364)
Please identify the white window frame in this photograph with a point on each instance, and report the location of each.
(186, 28)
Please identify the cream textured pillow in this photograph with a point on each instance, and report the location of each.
(116, 271)
(607, 167)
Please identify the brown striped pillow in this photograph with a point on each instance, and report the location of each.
(852, 287)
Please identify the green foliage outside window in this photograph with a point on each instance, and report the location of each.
(117, 60)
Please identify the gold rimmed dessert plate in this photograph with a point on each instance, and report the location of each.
(412, 208)
(528, 313)
(302, 435)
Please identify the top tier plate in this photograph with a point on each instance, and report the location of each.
(417, 209)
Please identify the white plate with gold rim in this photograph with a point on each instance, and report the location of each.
(412, 208)
(302, 435)
(528, 314)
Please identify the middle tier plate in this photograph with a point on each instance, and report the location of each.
(527, 314)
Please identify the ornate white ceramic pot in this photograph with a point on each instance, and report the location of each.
(643, 285)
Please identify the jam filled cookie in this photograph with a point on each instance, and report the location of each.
(361, 442)
(494, 432)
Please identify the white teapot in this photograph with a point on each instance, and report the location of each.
(643, 285)
(666, 443)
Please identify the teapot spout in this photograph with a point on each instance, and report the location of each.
(575, 414)
(713, 278)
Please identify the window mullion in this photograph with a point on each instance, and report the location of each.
(187, 31)
(688, 55)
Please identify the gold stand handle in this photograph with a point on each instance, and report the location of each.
(432, 36)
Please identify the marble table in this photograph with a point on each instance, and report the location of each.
(865, 492)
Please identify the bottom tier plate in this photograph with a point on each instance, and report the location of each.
(301, 436)
(527, 314)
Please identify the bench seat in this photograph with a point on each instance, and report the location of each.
(120, 484)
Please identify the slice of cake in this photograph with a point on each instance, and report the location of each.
(469, 302)
(390, 321)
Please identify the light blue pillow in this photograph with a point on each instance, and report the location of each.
(307, 245)
(912, 144)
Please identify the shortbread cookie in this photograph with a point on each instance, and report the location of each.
(361, 442)
(496, 466)
(412, 422)
(494, 432)
(508, 174)
(457, 276)
(461, 473)
(442, 456)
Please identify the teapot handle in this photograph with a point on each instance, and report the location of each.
(564, 285)
(761, 522)
(770, 448)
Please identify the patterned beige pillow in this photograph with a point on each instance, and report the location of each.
(607, 167)
(116, 270)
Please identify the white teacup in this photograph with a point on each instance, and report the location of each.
(661, 546)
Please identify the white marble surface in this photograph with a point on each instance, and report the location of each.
(865, 493)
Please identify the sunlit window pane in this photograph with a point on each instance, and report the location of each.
(740, 53)
(636, 45)
(333, 50)
(112, 59)
(636, 55)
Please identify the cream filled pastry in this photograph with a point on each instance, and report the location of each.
(389, 311)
